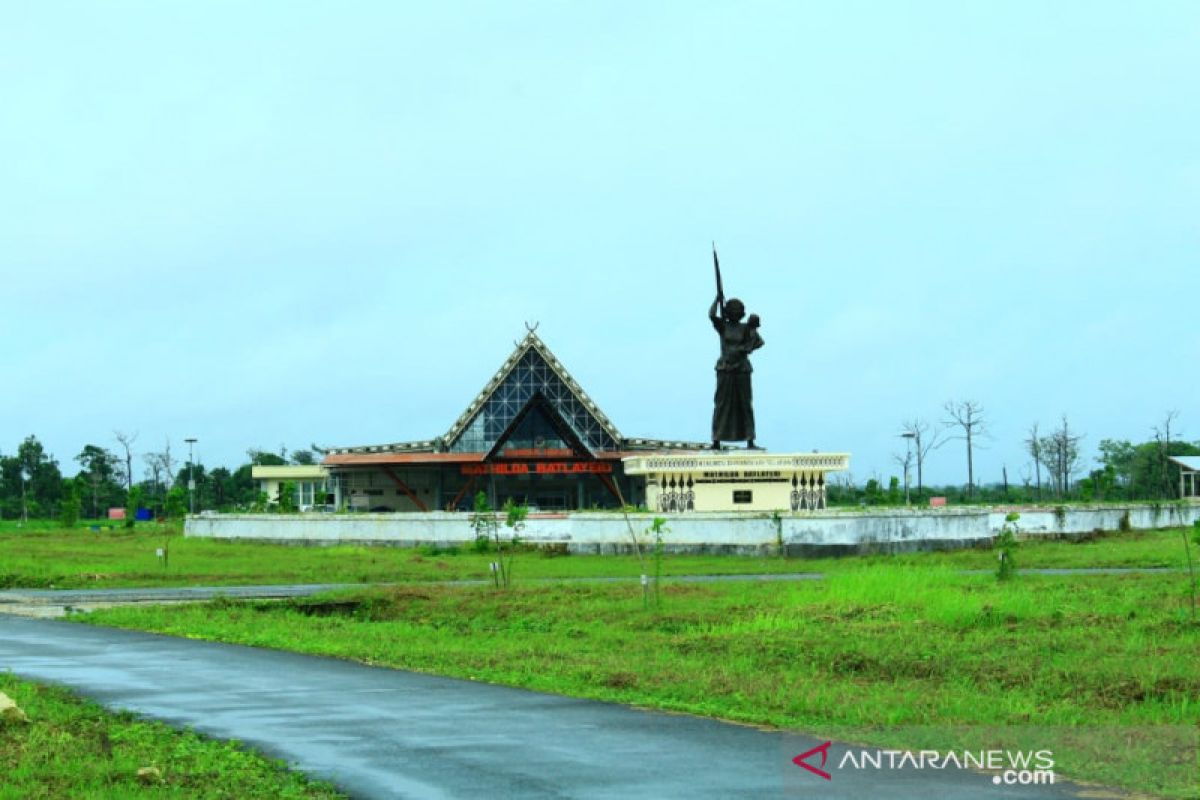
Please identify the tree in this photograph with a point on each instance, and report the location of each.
(132, 504)
(1033, 445)
(126, 441)
(968, 417)
(905, 462)
(1119, 457)
(1060, 455)
(1162, 436)
(161, 466)
(924, 442)
(1143, 470)
(98, 468)
(30, 481)
(220, 481)
(68, 509)
(303, 457)
(176, 502)
(262, 458)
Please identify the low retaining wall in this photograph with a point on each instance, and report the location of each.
(1085, 519)
(825, 533)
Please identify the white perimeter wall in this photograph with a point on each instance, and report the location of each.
(892, 529)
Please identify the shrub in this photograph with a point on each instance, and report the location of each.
(1006, 543)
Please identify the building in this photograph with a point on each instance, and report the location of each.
(1189, 476)
(310, 481)
(532, 434)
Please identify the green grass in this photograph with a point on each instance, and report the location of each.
(73, 748)
(53, 557)
(1101, 669)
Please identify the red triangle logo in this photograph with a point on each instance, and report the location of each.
(802, 760)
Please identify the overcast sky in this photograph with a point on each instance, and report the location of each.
(281, 223)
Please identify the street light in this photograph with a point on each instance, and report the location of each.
(908, 437)
(191, 480)
(26, 475)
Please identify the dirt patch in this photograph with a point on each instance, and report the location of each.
(620, 680)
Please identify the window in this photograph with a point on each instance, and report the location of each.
(743, 496)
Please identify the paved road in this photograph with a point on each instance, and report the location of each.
(381, 733)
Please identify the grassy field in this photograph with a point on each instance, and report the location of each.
(52, 557)
(1103, 670)
(72, 748)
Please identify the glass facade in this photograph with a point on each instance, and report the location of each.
(530, 375)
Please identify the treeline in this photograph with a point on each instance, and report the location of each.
(34, 484)
(1055, 469)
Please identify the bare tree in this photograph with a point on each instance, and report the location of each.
(905, 462)
(1034, 446)
(924, 442)
(162, 466)
(1060, 455)
(1162, 435)
(154, 471)
(126, 441)
(968, 417)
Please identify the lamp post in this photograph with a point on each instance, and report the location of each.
(25, 476)
(191, 480)
(908, 437)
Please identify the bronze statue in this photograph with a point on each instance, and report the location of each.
(733, 403)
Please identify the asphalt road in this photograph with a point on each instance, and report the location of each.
(381, 733)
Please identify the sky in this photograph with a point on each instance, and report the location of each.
(281, 223)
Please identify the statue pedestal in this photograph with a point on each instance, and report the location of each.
(748, 480)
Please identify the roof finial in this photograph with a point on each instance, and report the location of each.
(533, 327)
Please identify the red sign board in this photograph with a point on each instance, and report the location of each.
(937, 502)
(538, 452)
(539, 468)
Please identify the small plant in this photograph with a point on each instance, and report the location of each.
(657, 528)
(1006, 543)
(287, 497)
(1187, 548)
(1125, 525)
(485, 527)
(1060, 518)
(514, 520)
(261, 503)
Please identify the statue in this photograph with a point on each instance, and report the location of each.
(733, 403)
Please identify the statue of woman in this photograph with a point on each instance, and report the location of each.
(733, 407)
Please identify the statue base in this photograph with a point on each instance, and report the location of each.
(735, 480)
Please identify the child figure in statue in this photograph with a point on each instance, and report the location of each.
(733, 403)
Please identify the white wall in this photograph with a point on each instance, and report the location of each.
(831, 531)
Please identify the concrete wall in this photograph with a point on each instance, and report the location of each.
(827, 532)
(1084, 519)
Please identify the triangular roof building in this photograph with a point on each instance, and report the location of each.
(531, 412)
